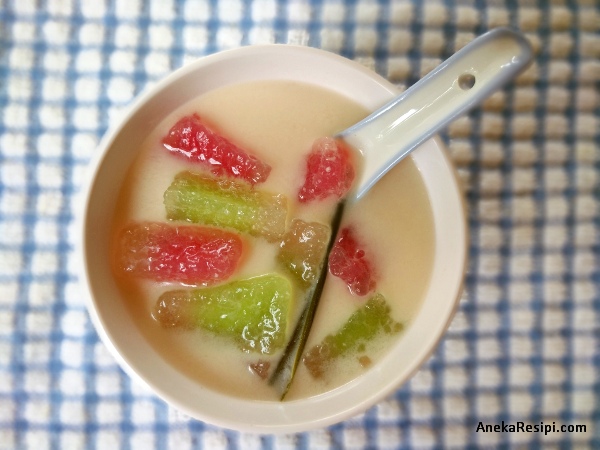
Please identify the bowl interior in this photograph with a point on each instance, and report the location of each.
(113, 320)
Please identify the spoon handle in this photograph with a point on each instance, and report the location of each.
(458, 84)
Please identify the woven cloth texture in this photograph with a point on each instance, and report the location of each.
(525, 342)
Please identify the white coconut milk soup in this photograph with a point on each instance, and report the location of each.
(277, 122)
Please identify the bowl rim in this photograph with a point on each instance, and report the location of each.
(287, 410)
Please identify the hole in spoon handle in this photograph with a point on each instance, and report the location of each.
(466, 81)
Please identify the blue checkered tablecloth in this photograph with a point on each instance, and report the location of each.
(524, 345)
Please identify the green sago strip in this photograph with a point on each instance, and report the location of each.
(226, 203)
(369, 321)
(254, 312)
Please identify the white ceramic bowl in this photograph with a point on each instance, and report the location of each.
(113, 321)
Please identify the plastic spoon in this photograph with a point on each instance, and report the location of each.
(389, 134)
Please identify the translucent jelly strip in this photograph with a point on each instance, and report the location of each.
(253, 312)
(372, 319)
(226, 203)
(192, 139)
(302, 250)
(189, 254)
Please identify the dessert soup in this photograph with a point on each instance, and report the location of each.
(278, 122)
